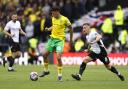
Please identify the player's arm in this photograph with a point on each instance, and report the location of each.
(48, 29)
(7, 33)
(88, 48)
(22, 32)
(98, 37)
(6, 29)
(71, 33)
(68, 24)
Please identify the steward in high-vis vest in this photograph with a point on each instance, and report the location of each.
(107, 30)
(119, 21)
(119, 16)
(107, 26)
(123, 39)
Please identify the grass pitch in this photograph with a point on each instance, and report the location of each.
(95, 77)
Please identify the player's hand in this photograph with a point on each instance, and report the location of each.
(86, 50)
(25, 34)
(12, 35)
(47, 29)
(91, 42)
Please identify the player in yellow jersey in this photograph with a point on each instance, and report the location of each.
(56, 41)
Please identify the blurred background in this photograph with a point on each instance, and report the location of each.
(107, 17)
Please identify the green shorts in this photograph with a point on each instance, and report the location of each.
(55, 44)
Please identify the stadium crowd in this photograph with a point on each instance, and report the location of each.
(35, 16)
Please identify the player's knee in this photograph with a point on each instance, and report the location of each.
(87, 59)
(59, 59)
(59, 62)
(18, 54)
(108, 66)
(45, 55)
(58, 56)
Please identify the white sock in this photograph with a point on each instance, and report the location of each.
(79, 75)
(10, 68)
(59, 74)
(119, 73)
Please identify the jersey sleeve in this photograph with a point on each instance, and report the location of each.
(68, 23)
(95, 34)
(7, 27)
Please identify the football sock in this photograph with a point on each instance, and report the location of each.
(114, 70)
(10, 68)
(11, 61)
(45, 67)
(59, 70)
(82, 68)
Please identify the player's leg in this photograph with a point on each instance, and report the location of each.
(46, 61)
(59, 50)
(91, 57)
(82, 68)
(107, 64)
(15, 54)
(49, 49)
(84, 63)
(6, 54)
(10, 60)
(114, 70)
(59, 66)
(46, 71)
(4, 59)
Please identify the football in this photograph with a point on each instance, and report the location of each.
(34, 76)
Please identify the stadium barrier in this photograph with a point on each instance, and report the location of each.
(23, 60)
(76, 59)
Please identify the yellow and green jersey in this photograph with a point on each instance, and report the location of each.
(59, 26)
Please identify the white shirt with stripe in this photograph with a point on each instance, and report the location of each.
(95, 47)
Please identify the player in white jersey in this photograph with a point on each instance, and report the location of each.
(13, 29)
(96, 50)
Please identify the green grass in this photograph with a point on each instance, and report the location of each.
(95, 77)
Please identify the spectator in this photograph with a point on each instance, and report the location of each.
(119, 20)
(123, 39)
(79, 44)
(46, 8)
(37, 29)
(29, 29)
(32, 16)
(38, 13)
(68, 9)
(107, 29)
(32, 51)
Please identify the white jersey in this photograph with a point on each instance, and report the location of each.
(14, 28)
(96, 46)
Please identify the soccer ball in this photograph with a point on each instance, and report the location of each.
(34, 76)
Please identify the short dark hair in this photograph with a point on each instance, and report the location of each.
(13, 13)
(86, 24)
(55, 8)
